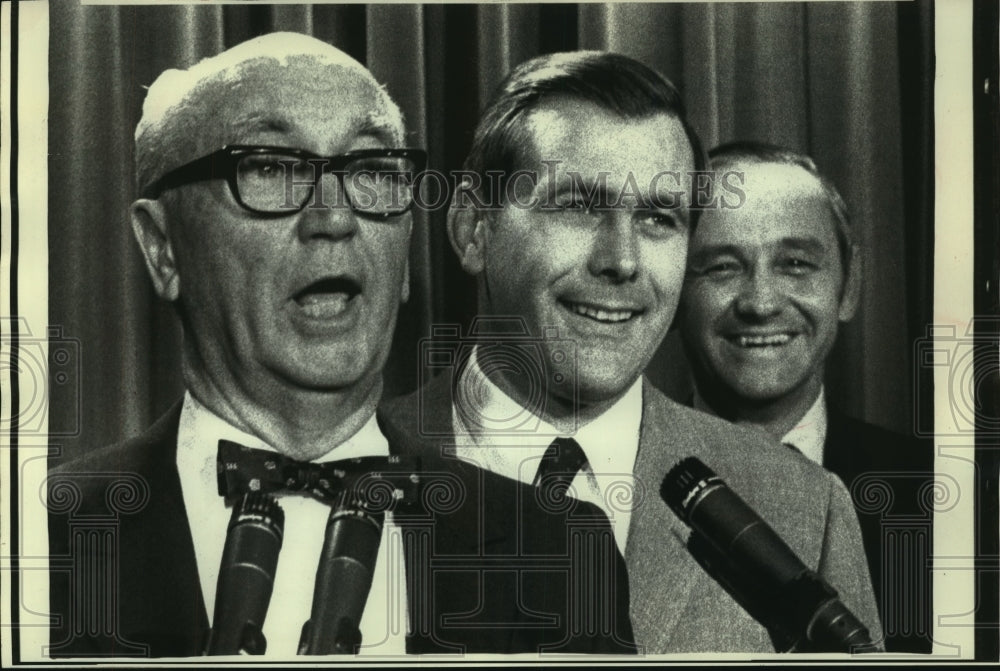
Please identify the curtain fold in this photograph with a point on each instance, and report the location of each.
(856, 140)
(840, 81)
(396, 53)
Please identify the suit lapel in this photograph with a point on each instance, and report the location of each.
(445, 607)
(133, 588)
(662, 574)
(675, 603)
(162, 538)
(162, 603)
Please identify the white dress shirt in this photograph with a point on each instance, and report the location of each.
(384, 622)
(487, 435)
(809, 433)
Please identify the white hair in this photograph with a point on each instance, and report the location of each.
(175, 104)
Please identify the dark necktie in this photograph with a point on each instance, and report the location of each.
(374, 479)
(560, 464)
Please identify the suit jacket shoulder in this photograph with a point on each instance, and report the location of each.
(420, 420)
(890, 478)
(123, 574)
(675, 605)
(853, 448)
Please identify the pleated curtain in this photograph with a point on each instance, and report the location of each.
(848, 83)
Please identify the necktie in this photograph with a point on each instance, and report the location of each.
(378, 481)
(559, 465)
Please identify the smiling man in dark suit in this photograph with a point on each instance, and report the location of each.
(769, 282)
(274, 215)
(574, 219)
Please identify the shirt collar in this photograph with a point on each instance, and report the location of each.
(809, 433)
(198, 434)
(201, 430)
(484, 416)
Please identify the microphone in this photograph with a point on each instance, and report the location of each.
(246, 576)
(785, 594)
(343, 579)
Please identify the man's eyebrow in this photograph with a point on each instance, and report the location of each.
(807, 244)
(373, 125)
(378, 126)
(599, 190)
(258, 123)
(710, 251)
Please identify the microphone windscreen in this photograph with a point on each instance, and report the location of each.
(682, 482)
(246, 575)
(343, 580)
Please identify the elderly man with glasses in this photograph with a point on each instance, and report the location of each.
(274, 215)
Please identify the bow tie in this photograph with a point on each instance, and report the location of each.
(379, 481)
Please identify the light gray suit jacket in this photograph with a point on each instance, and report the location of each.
(675, 606)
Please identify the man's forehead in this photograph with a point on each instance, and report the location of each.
(768, 183)
(576, 135)
(285, 53)
(273, 86)
(784, 206)
(271, 99)
(254, 126)
(297, 100)
(556, 118)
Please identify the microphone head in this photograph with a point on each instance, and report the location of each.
(682, 482)
(260, 508)
(246, 575)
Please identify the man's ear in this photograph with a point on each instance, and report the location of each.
(467, 233)
(404, 292)
(149, 225)
(851, 294)
(404, 289)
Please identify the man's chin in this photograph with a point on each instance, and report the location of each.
(762, 392)
(604, 389)
(326, 374)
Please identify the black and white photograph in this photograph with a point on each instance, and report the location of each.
(403, 333)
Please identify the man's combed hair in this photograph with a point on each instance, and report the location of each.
(761, 152)
(612, 81)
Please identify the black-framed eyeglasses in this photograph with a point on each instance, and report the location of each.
(279, 181)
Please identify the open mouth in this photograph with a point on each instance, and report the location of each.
(327, 297)
(771, 340)
(600, 314)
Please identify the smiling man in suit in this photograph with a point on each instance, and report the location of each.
(768, 286)
(274, 215)
(574, 218)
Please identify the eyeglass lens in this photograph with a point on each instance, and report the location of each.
(276, 183)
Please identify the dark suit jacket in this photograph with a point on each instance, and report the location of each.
(674, 605)
(890, 478)
(523, 573)
(490, 566)
(123, 575)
